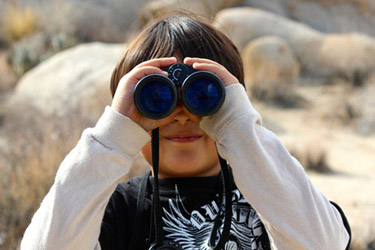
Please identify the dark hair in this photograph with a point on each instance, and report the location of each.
(184, 35)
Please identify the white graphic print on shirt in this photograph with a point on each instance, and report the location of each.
(192, 230)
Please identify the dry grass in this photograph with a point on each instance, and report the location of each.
(27, 170)
(24, 182)
(368, 245)
(313, 158)
(278, 95)
(18, 22)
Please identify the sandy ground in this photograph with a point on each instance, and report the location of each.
(350, 155)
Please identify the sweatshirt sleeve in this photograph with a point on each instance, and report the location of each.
(295, 213)
(70, 215)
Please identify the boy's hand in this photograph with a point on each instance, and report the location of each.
(203, 64)
(123, 100)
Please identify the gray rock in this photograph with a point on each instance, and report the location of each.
(87, 20)
(271, 71)
(342, 17)
(73, 80)
(278, 7)
(245, 24)
(54, 102)
(349, 55)
(201, 8)
(321, 55)
(325, 16)
(270, 59)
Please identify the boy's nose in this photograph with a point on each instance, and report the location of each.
(181, 117)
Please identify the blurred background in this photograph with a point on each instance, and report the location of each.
(309, 68)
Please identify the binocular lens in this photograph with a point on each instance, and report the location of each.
(156, 99)
(202, 96)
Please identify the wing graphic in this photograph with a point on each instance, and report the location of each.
(182, 230)
(193, 230)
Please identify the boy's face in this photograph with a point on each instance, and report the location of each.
(185, 149)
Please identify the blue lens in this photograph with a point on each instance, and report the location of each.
(203, 94)
(156, 97)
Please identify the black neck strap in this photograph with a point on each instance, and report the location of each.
(226, 184)
(139, 211)
(156, 199)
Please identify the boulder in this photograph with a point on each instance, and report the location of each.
(278, 7)
(326, 16)
(271, 70)
(319, 54)
(75, 80)
(245, 24)
(94, 20)
(270, 59)
(350, 55)
(54, 102)
(203, 8)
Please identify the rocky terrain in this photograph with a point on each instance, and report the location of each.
(310, 72)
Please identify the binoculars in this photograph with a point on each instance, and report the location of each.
(201, 92)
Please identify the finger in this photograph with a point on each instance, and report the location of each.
(218, 70)
(192, 60)
(214, 68)
(159, 62)
(204, 64)
(139, 73)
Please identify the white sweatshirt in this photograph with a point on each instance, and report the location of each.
(295, 213)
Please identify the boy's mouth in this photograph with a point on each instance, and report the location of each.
(183, 137)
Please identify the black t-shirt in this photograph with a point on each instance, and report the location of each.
(189, 208)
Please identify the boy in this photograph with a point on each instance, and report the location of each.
(274, 204)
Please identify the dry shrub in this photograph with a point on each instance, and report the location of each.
(313, 160)
(18, 22)
(368, 244)
(365, 104)
(278, 95)
(36, 148)
(312, 154)
(25, 181)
